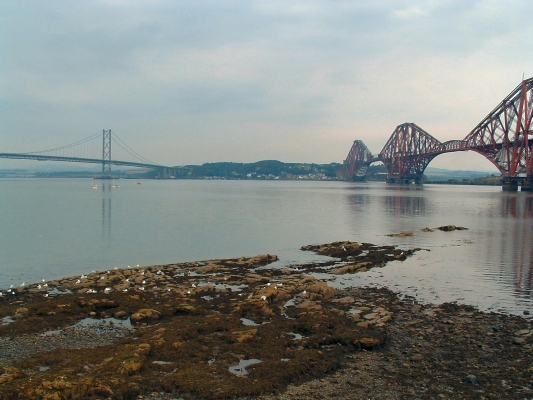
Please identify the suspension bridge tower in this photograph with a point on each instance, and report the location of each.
(106, 154)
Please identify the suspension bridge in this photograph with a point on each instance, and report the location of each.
(504, 137)
(96, 149)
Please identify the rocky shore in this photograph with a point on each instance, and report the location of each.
(238, 328)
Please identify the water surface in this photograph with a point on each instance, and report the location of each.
(50, 228)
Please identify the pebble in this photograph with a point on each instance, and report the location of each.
(518, 341)
(15, 349)
(471, 379)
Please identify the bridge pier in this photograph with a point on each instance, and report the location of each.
(405, 181)
(510, 185)
(527, 185)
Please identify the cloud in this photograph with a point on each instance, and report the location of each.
(191, 82)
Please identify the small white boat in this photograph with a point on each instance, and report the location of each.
(95, 185)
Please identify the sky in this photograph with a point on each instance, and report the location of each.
(189, 82)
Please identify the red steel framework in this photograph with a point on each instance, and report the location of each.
(358, 159)
(408, 152)
(504, 137)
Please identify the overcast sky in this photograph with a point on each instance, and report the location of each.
(188, 82)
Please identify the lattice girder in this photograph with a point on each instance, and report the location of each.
(358, 157)
(408, 152)
(505, 136)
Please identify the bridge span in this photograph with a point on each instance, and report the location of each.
(106, 160)
(504, 137)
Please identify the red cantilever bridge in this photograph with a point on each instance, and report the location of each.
(504, 137)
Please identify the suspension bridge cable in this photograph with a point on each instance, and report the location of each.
(129, 150)
(79, 142)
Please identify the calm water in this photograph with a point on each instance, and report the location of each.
(53, 228)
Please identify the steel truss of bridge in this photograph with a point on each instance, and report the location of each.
(504, 137)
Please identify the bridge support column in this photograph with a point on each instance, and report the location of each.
(527, 185)
(509, 185)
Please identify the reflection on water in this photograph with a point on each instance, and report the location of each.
(517, 206)
(405, 205)
(516, 245)
(490, 265)
(106, 209)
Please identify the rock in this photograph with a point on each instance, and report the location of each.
(368, 342)
(370, 316)
(518, 341)
(145, 314)
(526, 312)
(449, 228)
(471, 379)
(10, 373)
(322, 291)
(309, 306)
(355, 317)
(21, 313)
(120, 315)
(417, 357)
(348, 269)
(344, 300)
(401, 234)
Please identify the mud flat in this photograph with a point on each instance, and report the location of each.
(237, 328)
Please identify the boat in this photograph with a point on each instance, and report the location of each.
(95, 185)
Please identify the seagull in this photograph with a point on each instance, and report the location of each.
(188, 292)
(127, 279)
(125, 290)
(78, 281)
(42, 280)
(263, 297)
(144, 281)
(142, 273)
(38, 286)
(23, 284)
(102, 277)
(11, 287)
(83, 276)
(268, 284)
(193, 285)
(137, 266)
(141, 288)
